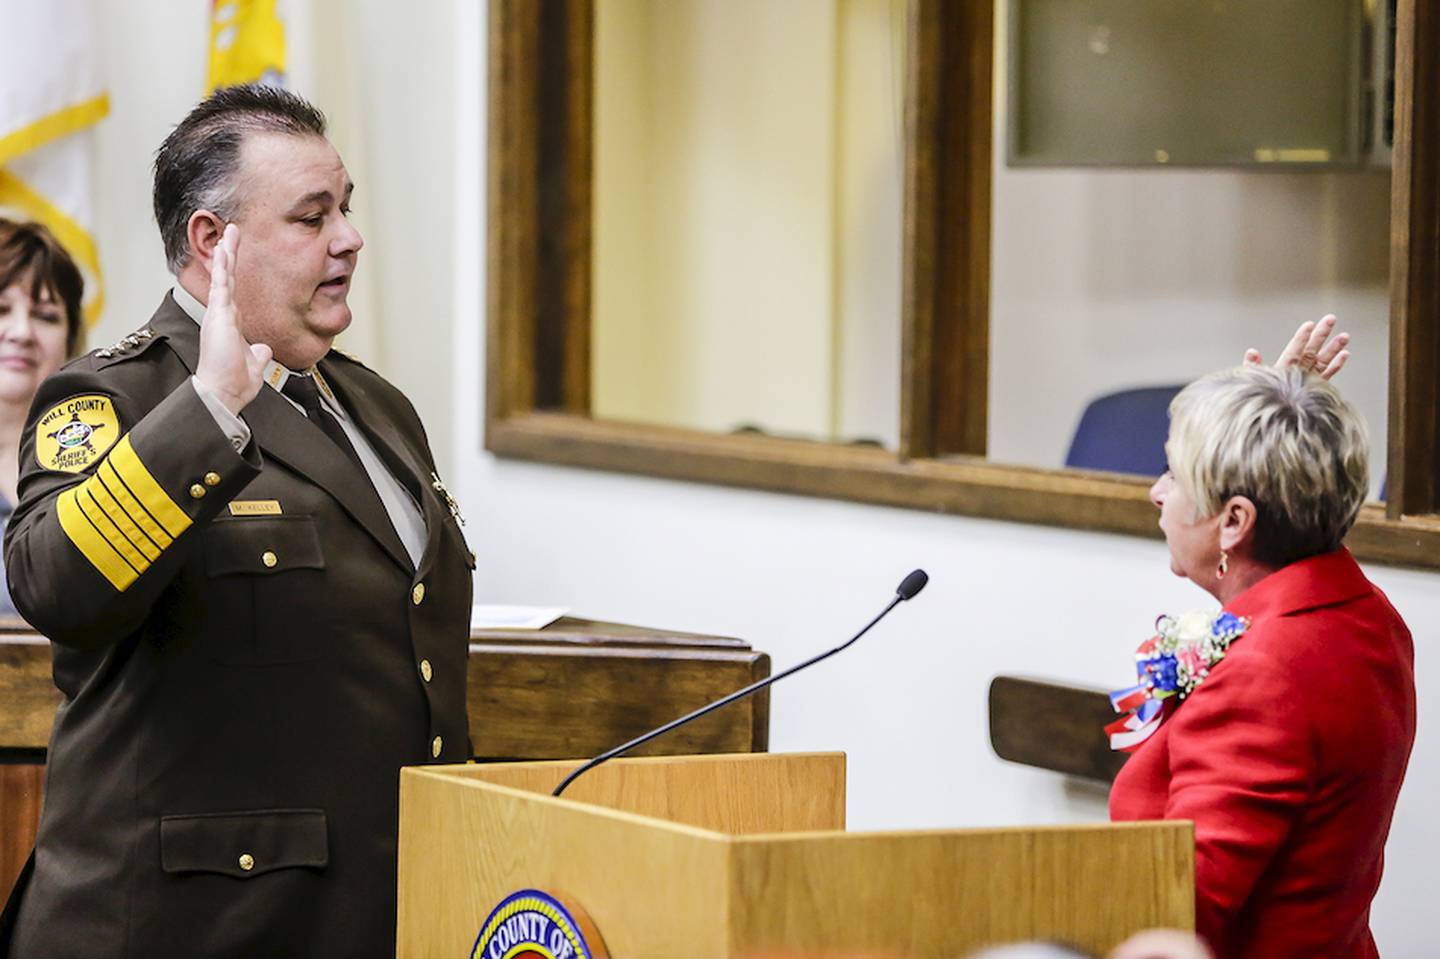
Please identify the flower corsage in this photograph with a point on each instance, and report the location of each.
(1172, 663)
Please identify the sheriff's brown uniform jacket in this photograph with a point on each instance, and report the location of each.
(240, 690)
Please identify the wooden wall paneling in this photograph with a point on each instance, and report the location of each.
(28, 699)
(1414, 426)
(945, 345)
(21, 789)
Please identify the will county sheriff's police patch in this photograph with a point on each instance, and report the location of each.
(76, 433)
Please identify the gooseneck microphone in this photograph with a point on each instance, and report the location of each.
(909, 587)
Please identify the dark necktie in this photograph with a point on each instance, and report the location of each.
(302, 390)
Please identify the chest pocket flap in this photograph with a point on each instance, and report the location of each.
(244, 844)
(263, 547)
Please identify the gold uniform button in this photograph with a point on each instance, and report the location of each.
(435, 745)
(417, 595)
(197, 491)
(269, 559)
(247, 861)
(212, 479)
(425, 671)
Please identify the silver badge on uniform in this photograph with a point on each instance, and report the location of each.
(438, 486)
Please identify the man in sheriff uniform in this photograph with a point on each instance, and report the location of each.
(255, 584)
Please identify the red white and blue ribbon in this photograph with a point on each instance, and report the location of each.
(1171, 664)
(1128, 732)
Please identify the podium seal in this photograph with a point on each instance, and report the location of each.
(531, 924)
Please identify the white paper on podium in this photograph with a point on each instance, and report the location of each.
(514, 617)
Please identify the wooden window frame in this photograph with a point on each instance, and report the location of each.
(538, 299)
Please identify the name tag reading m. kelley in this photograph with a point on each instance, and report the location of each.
(255, 507)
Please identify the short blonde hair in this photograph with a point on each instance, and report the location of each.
(1283, 438)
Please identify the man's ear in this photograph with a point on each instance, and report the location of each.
(204, 232)
(1237, 524)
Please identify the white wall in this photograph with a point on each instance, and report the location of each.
(792, 575)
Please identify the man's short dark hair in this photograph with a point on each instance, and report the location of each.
(195, 167)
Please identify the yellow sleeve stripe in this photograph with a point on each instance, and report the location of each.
(121, 519)
(106, 528)
(95, 547)
(107, 475)
(133, 536)
(143, 487)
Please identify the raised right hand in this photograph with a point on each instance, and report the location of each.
(1311, 349)
(230, 367)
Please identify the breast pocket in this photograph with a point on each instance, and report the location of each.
(267, 584)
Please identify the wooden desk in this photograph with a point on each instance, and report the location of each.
(573, 689)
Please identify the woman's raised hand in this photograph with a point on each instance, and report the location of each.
(1311, 348)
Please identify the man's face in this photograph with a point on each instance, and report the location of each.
(297, 248)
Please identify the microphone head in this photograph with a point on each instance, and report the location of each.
(912, 584)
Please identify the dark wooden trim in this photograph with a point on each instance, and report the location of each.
(963, 486)
(1414, 427)
(945, 338)
(510, 183)
(539, 194)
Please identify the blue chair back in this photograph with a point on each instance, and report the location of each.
(1124, 432)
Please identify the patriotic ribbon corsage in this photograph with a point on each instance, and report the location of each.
(1170, 664)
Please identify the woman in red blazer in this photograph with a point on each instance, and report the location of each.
(1290, 751)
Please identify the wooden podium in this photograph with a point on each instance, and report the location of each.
(716, 857)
